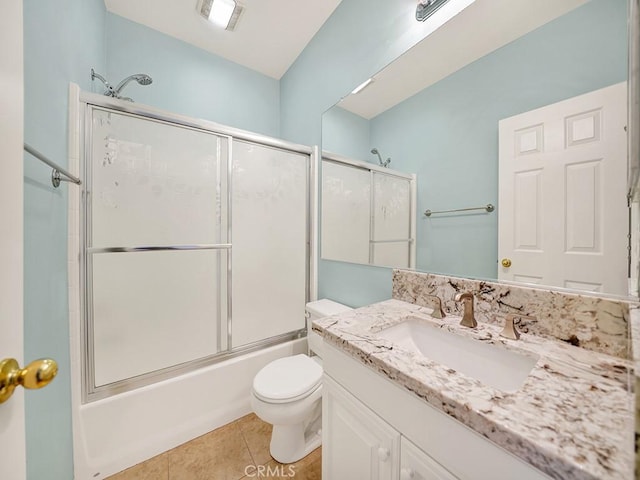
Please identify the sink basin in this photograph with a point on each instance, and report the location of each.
(490, 364)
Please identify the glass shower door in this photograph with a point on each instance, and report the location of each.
(157, 247)
(391, 221)
(270, 241)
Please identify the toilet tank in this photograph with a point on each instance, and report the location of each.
(314, 311)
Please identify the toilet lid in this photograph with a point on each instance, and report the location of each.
(287, 378)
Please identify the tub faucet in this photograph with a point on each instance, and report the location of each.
(468, 318)
(438, 312)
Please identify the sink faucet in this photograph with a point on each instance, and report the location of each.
(468, 318)
(438, 312)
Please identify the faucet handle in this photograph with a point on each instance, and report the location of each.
(438, 312)
(510, 331)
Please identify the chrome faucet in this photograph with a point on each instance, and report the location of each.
(468, 318)
(438, 312)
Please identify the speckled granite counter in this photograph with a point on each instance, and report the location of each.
(572, 418)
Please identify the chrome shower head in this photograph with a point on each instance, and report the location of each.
(383, 163)
(141, 78)
(110, 91)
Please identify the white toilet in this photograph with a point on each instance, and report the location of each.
(287, 393)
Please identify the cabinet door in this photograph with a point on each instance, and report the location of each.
(356, 443)
(417, 465)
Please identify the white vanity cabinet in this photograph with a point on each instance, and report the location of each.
(374, 429)
(362, 445)
(358, 444)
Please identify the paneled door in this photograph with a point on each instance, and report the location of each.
(563, 215)
(12, 426)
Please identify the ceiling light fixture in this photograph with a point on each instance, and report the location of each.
(362, 86)
(222, 13)
(426, 8)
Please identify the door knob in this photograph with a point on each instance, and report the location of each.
(37, 374)
(506, 262)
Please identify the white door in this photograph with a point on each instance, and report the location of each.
(12, 433)
(563, 216)
(360, 445)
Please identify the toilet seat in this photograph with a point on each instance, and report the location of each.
(287, 379)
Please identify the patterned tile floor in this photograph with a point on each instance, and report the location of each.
(237, 451)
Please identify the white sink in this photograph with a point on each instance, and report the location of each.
(490, 364)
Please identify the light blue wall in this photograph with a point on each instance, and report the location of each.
(63, 39)
(347, 134)
(189, 80)
(448, 133)
(360, 38)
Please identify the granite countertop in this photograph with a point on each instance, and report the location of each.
(572, 418)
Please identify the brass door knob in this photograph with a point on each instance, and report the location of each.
(506, 263)
(37, 374)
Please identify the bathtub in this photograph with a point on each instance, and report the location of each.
(120, 431)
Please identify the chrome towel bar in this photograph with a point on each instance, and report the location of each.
(488, 207)
(57, 171)
(159, 248)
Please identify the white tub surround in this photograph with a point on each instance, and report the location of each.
(571, 419)
(591, 322)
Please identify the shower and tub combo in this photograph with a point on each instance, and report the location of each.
(171, 317)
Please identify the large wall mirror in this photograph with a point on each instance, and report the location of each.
(437, 112)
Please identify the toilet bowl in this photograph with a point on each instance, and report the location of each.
(287, 393)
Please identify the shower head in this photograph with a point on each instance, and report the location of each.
(110, 91)
(383, 163)
(141, 78)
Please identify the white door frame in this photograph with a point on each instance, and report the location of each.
(12, 420)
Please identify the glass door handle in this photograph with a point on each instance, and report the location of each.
(37, 374)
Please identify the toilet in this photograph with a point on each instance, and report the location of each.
(287, 393)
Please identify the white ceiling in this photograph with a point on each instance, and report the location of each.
(481, 28)
(268, 37)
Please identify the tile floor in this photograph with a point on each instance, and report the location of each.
(237, 451)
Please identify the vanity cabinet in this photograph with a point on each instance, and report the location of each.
(362, 445)
(374, 429)
(357, 443)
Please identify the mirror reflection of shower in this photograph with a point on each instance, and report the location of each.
(383, 163)
(111, 91)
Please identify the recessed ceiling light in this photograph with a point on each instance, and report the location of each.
(222, 13)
